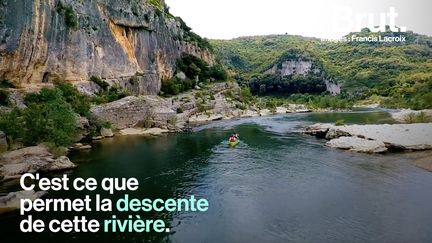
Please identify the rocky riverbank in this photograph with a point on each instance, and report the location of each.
(407, 116)
(154, 115)
(375, 138)
(145, 115)
(15, 163)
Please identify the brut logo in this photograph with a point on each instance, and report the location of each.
(345, 20)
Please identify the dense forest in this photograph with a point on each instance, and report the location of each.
(396, 74)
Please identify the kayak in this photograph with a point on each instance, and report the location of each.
(233, 144)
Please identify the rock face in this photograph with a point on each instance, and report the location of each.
(397, 136)
(31, 159)
(135, 111)
(106, 133)
(133, 44)
(303, 66)
(290, 67)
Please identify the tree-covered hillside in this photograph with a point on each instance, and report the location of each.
(400, 74)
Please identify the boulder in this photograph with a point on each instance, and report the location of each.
(61, 163)
(336, 133)
(106, 133)
(34, 155)
(399, 136)
(281, 110)
(357, 144)
(205, 118)
(265, 112)
(12, 201)
(131, 110)
(396, 136)
(14, 171)
(83, 126)
(318, 130)
(298, 108)
(141, 131)
(80, 146)
(181, 75)
(31, 159)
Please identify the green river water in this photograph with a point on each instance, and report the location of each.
(278, 185)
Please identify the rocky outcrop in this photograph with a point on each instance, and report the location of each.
(296, 64)
(291, 67)
(218, 101)
(133, 44)
(31, 159)
(132, 111)
(83, 128)
(370, 138)
(357, 144)
(106, 132)
(142, 131)
(12, 201)
(406, 115)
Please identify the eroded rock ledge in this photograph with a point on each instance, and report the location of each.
(375, 138)
(31, 159)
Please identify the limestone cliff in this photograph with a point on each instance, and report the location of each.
(304, 66)
(42, 41)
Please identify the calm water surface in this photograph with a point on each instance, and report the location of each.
(278, 185)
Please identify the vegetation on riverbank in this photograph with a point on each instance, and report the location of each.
(48, 118)
(50, 115)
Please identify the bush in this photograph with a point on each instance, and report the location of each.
(79, 102)
(11, 123)
(193, 66)
(110, 95)
(175, 86)
(340, 122)
(48, 118)
(246, 95)
(101, 83)
(70, 16)
(6, 84)
(4, 97)
(180, 110)
(218, 72)
(417, 118)
(171, 87)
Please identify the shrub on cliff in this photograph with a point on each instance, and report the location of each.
(101, 83)
(109, 95)
(175, 86)
(218, 72)
(193, 66)
(71, 19)
(4, 97)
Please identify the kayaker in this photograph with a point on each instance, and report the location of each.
(233, 138)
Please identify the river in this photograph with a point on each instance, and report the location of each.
(278, 185)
